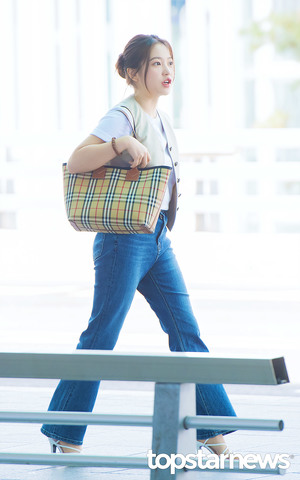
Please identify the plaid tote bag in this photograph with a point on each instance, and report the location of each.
(115, 199)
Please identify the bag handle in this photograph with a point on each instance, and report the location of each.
(132, 174)
(131, 123)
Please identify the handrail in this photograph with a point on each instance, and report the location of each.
(231, 422)
(73, 460)
(175, 376)
(82, 418)
(76, 418)
(177, 367)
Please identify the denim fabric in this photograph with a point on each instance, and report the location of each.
(124, 264)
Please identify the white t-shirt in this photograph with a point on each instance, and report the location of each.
(116, 124)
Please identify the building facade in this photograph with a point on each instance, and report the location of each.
(235, 111)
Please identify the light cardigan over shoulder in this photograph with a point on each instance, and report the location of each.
(147, 135)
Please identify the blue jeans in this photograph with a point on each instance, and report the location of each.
(124, 264)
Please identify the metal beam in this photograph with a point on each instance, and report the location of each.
(235, 423)
(81, 418)
(73, 460)
(68, 459)
(171, 368)
(76, 418)
(172, 403)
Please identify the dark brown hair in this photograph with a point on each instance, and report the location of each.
(137, 53)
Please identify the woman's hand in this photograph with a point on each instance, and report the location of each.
(93, 152)
(138, 152)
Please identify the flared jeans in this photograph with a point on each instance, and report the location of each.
(124, 264)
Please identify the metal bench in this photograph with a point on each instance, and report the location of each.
(173, 421)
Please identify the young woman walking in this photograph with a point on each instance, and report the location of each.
(125, 263)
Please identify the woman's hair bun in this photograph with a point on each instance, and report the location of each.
(120, 66)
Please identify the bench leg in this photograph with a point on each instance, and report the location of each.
(172, 403)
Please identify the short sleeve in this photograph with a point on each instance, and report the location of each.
(113, 124)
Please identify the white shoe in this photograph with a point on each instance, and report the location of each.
(54, 444)
(209, 447)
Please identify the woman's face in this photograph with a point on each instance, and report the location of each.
(160, 74)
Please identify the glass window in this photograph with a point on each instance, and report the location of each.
(10, 186)
(252, 222)
(207, 187)
(207, 222)
(288, 155)
(287, 101)
(8, 220)
(286, 227)
(251, 187)
(7, 186)
(288, 188)
(247, 18)
(200, 222)
(249, 154)
(249, 103)
(199, 187)
(213, 187)
(285, 6)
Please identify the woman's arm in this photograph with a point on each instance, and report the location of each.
(93, 152)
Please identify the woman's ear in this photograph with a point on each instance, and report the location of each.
(132, 74)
